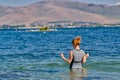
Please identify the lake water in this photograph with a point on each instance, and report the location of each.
(36, 55)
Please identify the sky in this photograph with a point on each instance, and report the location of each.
(27, 2)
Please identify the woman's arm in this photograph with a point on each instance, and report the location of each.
(70, 57)
(84, 58)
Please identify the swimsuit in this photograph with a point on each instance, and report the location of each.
(77, 59)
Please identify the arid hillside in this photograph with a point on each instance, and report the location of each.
(59, 10)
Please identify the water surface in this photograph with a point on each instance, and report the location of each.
(35, 55)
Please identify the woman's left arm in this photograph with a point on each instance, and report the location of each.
(70, 57)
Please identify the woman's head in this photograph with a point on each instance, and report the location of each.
(76, 41)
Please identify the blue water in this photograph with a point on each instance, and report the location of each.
(35, 55)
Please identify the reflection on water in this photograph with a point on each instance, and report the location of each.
(78, 74)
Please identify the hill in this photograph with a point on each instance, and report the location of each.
(60, 10)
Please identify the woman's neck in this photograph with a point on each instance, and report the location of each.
(77, 48)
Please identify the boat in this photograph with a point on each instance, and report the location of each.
(43, 29)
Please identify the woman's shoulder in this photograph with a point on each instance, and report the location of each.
(71, 51)
(82, 51)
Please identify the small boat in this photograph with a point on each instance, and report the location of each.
(43, 29)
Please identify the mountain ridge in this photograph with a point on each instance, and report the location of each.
(64, 10)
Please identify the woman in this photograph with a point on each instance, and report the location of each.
(76, 56)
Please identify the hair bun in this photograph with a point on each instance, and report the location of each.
(76, 41)
(77, 38)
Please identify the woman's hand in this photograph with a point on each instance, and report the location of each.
(62, 55)
(87, 55)
(70, 57)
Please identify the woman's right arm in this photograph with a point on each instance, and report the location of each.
(84, 58)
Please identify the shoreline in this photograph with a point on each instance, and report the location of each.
(38, 27)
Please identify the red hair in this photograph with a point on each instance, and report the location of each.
(76, 41)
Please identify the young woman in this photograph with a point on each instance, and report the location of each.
(76, 56)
